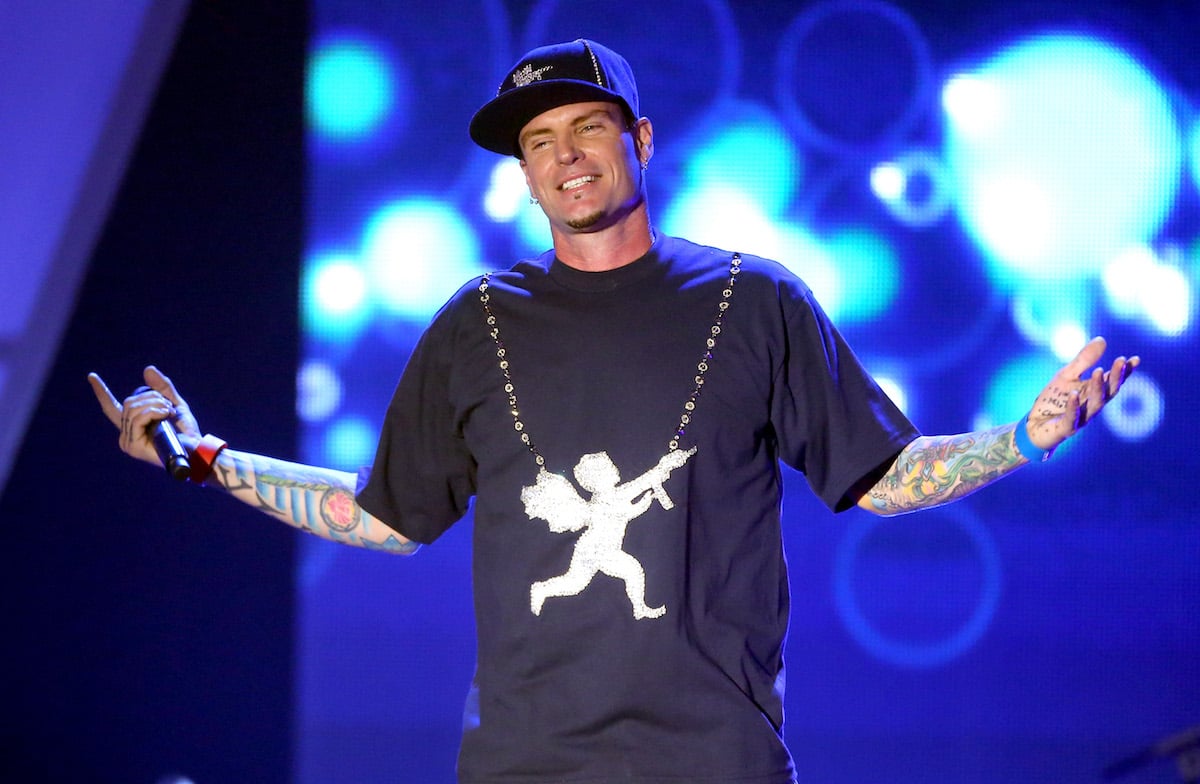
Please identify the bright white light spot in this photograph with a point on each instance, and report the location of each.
(1066, 340)
(1122, 279)
(417, 253)
(915, 187)
(339, 287)
(1167, 300)
(887, 181)
(972, 104)
(1137, 284)
(1014, 216)
(507, 191)
(318, 391)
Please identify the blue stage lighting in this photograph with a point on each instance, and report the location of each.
(1194, 154)
(961, 569)
(915, 187)
(350, 89)
(1138, 412)
(753, 154)
(1054, 314)
(869, 270)
(417, 252)
(349, 443)
(1066, 151)
(334, 303)
(1160, 293)
(1013, 389)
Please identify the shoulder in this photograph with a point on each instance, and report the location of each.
(758, 276)
(522, 277)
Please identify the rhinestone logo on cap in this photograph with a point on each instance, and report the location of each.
(527, 75)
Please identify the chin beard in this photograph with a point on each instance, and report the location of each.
(586, 222)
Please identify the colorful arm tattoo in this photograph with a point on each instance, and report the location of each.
(319, 501)
(935, 470)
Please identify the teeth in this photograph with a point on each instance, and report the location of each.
(575, 183)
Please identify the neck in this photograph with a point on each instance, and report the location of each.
(609, 248)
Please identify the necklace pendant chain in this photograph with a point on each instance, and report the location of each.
(689, 406)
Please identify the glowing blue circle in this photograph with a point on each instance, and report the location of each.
(829, 38)
(349, 444)
(918, 654)
(870, 271)
(896, 184)
(350, 89)
(753, 153)
(334, 301)
(1136, 413)
(1066, 151)
(318, 391)
(417, 252)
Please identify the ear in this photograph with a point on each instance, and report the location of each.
(643, 135)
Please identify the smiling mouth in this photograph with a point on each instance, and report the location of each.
(578, 182)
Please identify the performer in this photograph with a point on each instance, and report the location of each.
(621, 352)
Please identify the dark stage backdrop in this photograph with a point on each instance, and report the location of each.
(148, 626)
(969, 187)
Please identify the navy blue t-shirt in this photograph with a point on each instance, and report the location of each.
(632, 601)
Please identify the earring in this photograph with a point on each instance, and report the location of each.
(533, 199)
(645, 165)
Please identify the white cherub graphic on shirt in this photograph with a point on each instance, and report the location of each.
(603, 520)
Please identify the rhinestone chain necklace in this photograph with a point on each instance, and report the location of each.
(685, 419)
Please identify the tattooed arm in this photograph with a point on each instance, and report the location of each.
(935, 470)
(317, 500)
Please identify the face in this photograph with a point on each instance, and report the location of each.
(583, 164)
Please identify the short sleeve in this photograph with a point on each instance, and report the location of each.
(832, 420)
(423, 476)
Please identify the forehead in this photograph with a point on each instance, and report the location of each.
(569, 114)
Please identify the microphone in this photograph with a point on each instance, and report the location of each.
(166, 443)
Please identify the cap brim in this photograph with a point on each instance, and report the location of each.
(498, 123)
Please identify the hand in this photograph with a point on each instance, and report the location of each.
(139, 412)
(1071, 399)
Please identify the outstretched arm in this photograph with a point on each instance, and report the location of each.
(317, 500)
(934, 470)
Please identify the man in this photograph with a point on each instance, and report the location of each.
(630, 622)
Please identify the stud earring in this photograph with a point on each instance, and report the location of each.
(533, 199)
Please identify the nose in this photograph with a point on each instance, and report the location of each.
(566, 151)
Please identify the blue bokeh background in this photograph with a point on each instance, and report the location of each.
(972, 189)
(278, 194)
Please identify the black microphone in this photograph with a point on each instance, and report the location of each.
(166, 443)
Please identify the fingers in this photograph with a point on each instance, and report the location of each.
(139, 413)
(156, 380)
(1092, 396)
(1087, 357)
(108, 401)
(1100, 387)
